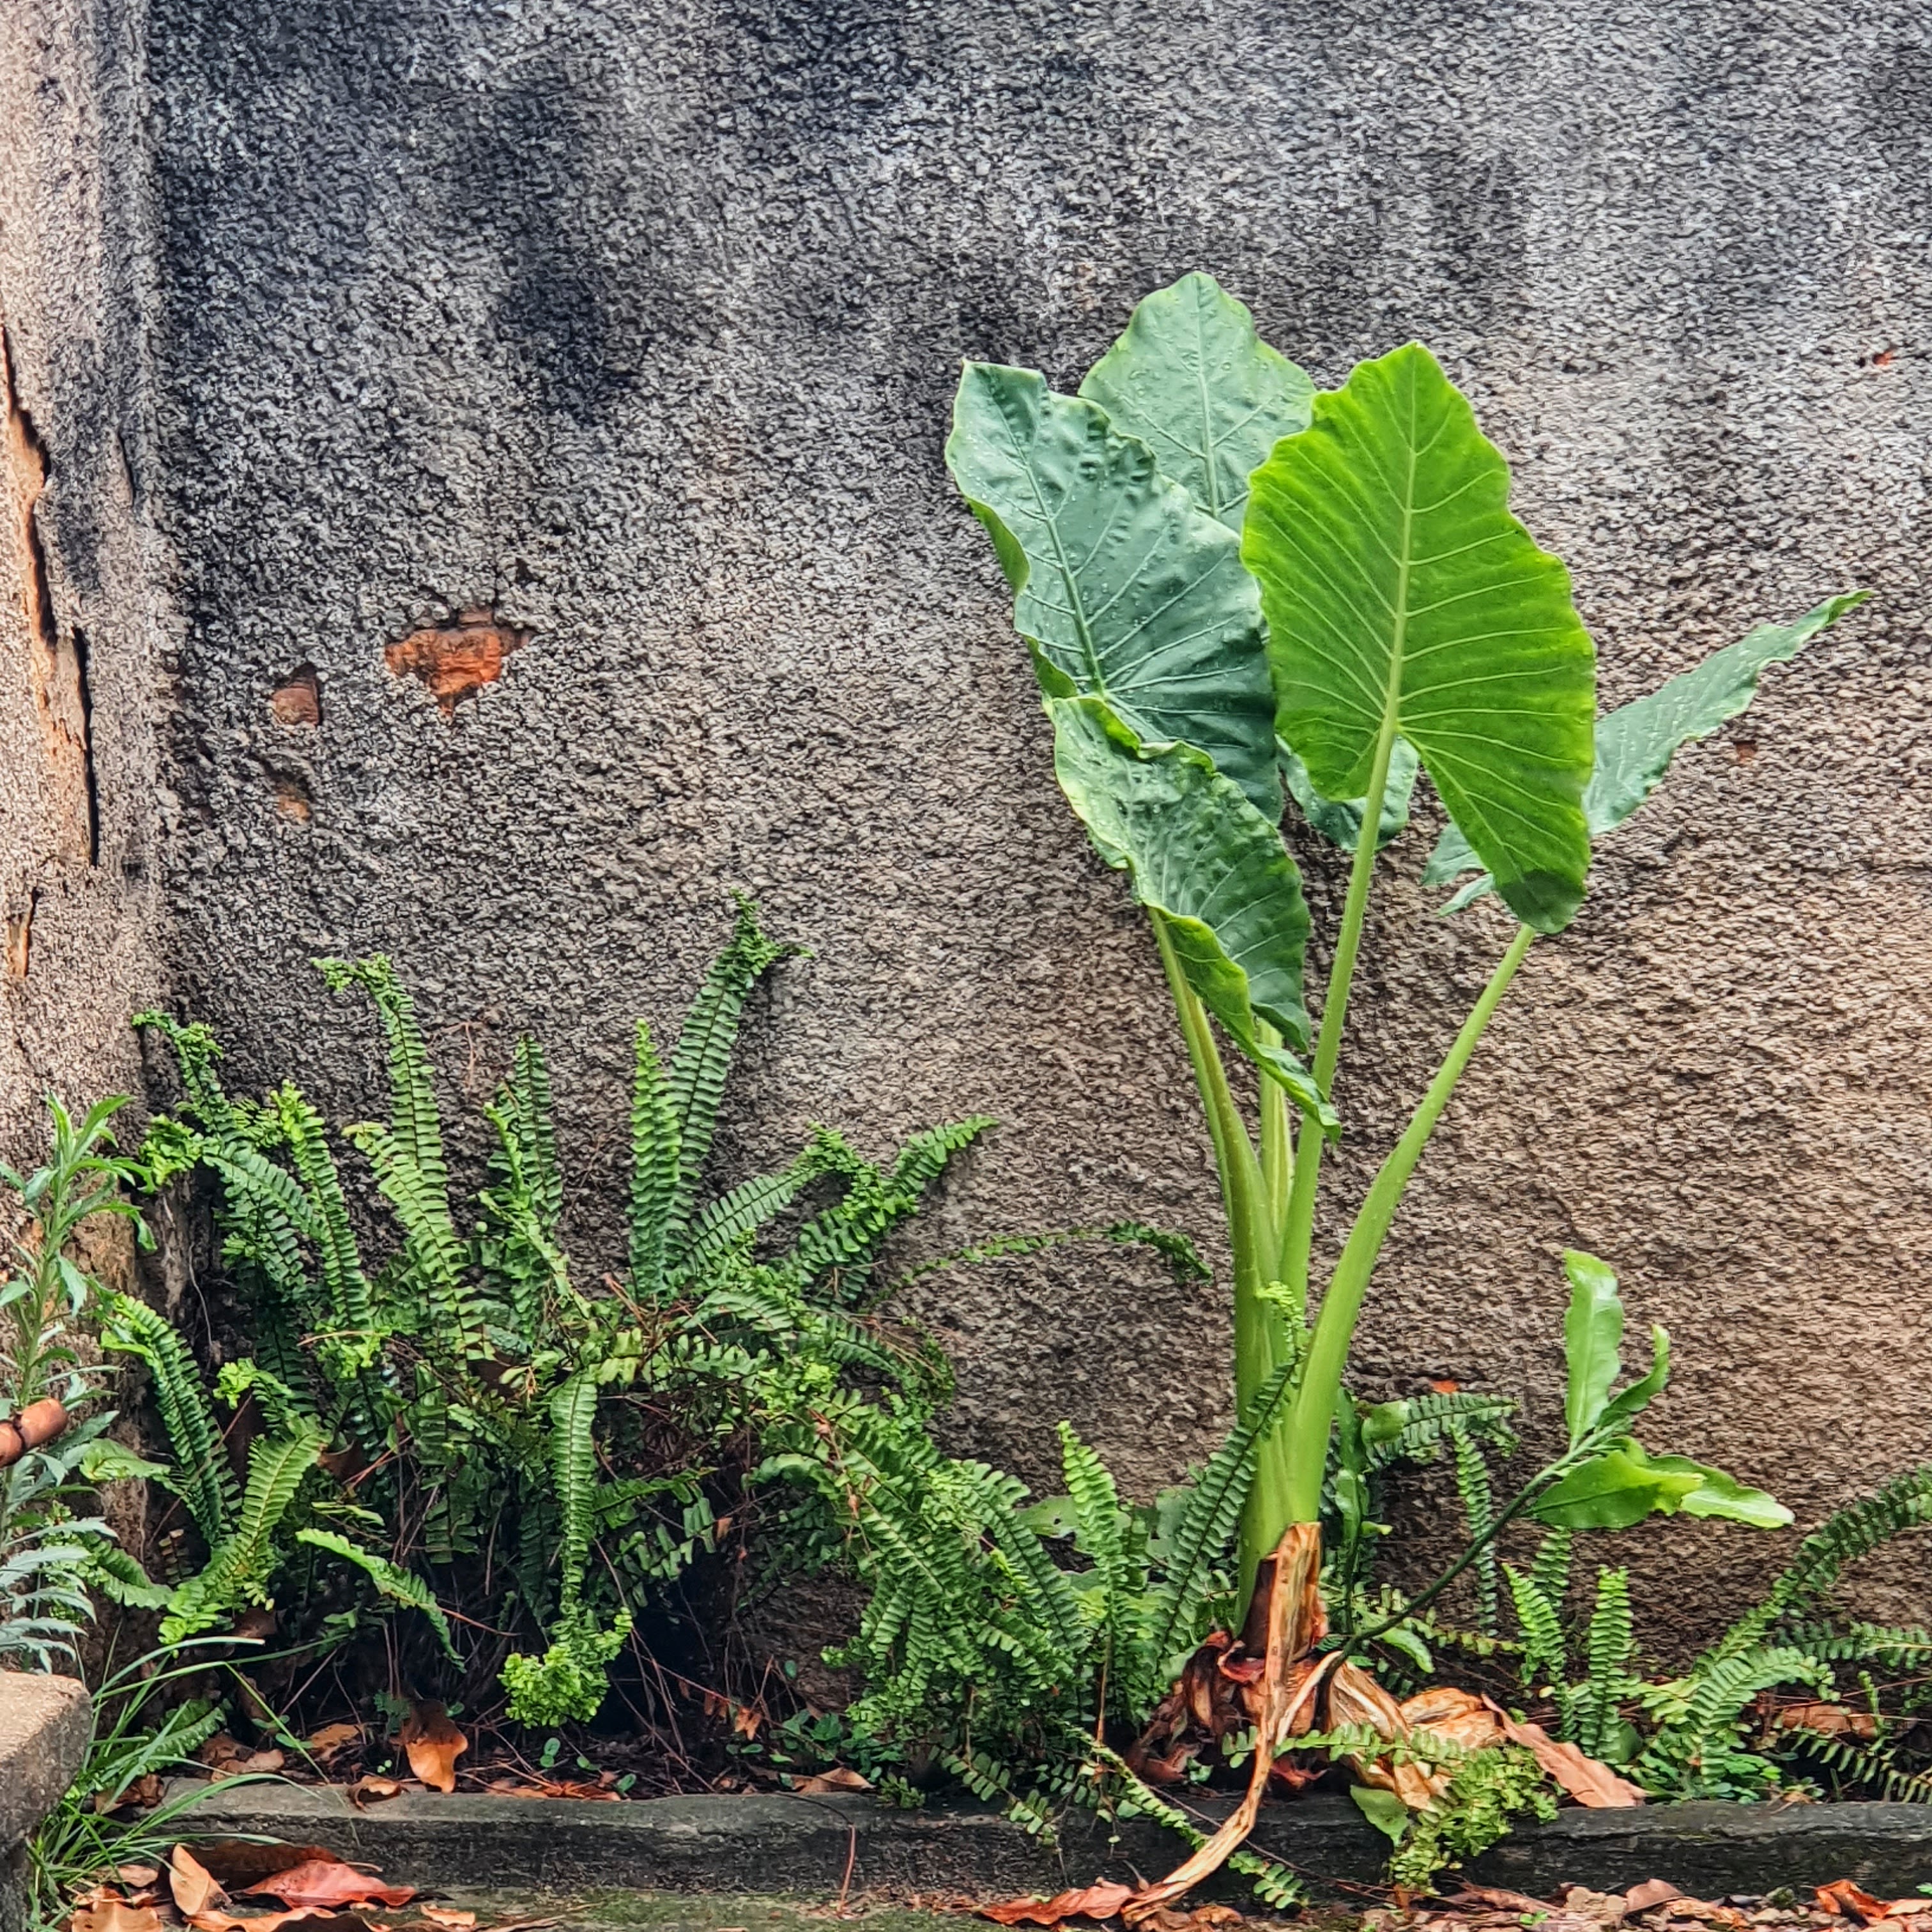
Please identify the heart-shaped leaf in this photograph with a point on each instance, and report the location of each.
(1401, 596)
(1636, 742)
(1340, 821)
(1193, 381)
(1209, 865)
(1125, 590)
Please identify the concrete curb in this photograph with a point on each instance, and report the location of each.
(780, 1843)
(45, 1725)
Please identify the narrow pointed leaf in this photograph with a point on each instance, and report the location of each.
(1400, 593)
(1194, 382)
(1636, 742)
(1593, 1333)
(1633, 1400)
(1340, 821)
(1204, 860)
(1126, 590)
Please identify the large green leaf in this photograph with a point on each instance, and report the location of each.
(1636, 742)
(1340, 821)
(1624, 1485)
(1193, 381)
(1401, 594)
(1209, 864)
(1593, 1333)
(1126, 591)
(1614, 1490)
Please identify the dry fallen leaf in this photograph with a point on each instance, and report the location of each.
(332, 1741)
(1094, 1901)
(1202, 1918)
(825, 1783)
(1497, 1900)
(1589, 1782)
(138, 1876)
(432, 1743)
(195, 1887)
(1845, 1898)
(239, 1861)
(328, 1881)
(1831, 1720)
(1653, 1891)
(371, 1790)
(456, 1921)
(116, 1915)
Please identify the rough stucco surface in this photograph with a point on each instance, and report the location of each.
(77, 593)
(635, 324)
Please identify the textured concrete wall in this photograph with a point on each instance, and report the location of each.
(607, 345)
(79, 607)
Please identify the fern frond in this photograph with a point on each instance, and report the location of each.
(1208, 1520)
(286, 1413)
(350, 1315)
(655, 1167)
(529, 1086)
(240, 1567)
(1540, 1624)
(702, 1057)
(1472, 1485)
(1680, 1758)
(1606, 1646)
(1549, 1568)
(400, 1585)
(415, 1122)
(201, 1476)
(1412, 1429)
(1904, 1503)
(573, 1409)
(733, 1217)
(435, 1262)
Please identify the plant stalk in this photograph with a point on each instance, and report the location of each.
(1308, 1422)
(1260, 1337)
(1298, 1224)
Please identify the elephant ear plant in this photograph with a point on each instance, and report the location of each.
(1236, 590)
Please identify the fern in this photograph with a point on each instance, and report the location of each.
(733, 1217)
(1472, 1485)
(397, 1585)
(1699, 1754)
(656, 1152)
(201, 1476)
(239, 1567)
(1412, 1430)
(1607, 1647)
(1903, 1503)
(696, 1082)
(1208, 1521)
(1540, 1624)
(573, 1411)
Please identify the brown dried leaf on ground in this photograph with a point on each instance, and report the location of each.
(1093, 1901)
(1830, 1720)
(1653, 1891)
(116, 1915)
(332, 1741)
(1202, 1918)
(239, 1861)
(825, 1783)
(327, 1882)
(442, 1916)
(1586, 1779)
(432, 1743)
(138, 1876)
(1494, 1898)
(517, 1787)
(1600, 1908)
(372, 1790)
(1845, 1898)
(194, 1887)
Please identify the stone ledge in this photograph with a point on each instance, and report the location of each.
(45, 1724)
(780, 1844)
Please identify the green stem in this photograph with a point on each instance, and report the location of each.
(1277, 1148)
(1308, 1422)
(1261, 1339)
(1298, 1224)
(1542, 1480)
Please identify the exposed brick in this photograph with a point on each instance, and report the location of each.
(455, 660)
